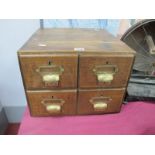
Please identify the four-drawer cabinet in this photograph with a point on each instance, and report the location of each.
(74, 71)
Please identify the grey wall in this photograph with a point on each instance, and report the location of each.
(13, 34)
(3, 120)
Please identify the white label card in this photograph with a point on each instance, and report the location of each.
(79, 49)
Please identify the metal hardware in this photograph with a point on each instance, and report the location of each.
(150, 43)
(51, 78)
(53, 106)
(100, 106)
(50, 74)
(100, 103)
(105, 73)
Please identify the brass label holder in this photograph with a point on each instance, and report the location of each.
(53, 106)
(100, 103)
(50, 74)
(105, 73)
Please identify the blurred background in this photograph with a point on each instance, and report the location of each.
(117, 27)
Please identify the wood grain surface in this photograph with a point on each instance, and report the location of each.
(85, 107)
(35, 99)
(78, 52)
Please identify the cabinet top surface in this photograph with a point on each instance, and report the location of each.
(74, 40)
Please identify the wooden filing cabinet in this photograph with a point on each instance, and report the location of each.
(74, 71)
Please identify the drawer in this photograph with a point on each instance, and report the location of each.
(100, 101)
(104, 71)
(49, 71)
(46, 103)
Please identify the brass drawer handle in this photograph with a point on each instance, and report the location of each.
(50, 74)
(105, 73)
(51, 78)
(100, 106)
(100, 103)
(53, 106)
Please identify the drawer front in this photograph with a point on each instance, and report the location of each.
(49, 71)
(46, 103)
(104, 71)
(100, 101)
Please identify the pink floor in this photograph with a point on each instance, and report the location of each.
(134, 118)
